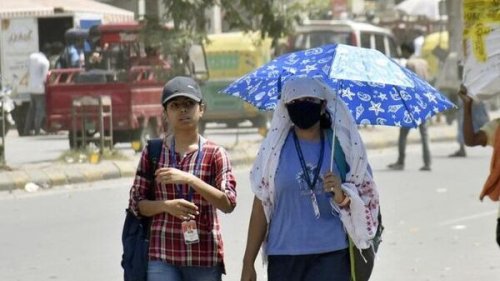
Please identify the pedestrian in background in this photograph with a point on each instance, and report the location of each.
(193, 180)
(55, 52)
(421, 68)
(302, 212)
(489, 134)
(38, 67)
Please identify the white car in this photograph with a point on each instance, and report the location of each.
(314, 33)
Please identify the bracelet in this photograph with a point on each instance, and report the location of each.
(344, 202)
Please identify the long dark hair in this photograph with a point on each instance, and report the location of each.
(325, 122)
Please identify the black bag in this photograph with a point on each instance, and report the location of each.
(135, 234)
(362, 261)
(498, 231)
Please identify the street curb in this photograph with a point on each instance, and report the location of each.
(242, 155)
(125, 168)
(6, 183)
(19, 179)
(39, 177)
(57, 177)
(74, 176)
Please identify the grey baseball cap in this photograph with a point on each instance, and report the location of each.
(181, 86)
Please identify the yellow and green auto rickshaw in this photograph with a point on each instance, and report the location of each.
(434, 51)
(230, 56)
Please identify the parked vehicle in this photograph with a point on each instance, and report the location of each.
(314, 33)
(135, 89)
(229, 56)
(25, 33)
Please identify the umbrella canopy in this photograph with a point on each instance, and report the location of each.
(376, 89)
(427, 8)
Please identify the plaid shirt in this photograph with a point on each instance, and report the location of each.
(166, 237)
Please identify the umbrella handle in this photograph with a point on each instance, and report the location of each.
(334, 134)
(332, 156)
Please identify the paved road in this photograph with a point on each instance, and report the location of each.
(436, 229)
(39, 149)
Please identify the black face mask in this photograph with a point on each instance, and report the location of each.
(304, 114)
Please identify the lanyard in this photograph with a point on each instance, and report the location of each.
(197, 169)
(303, 162)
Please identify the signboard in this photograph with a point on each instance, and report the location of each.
(481, 47)
(18, 39)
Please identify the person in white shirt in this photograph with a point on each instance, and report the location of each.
(38, 69)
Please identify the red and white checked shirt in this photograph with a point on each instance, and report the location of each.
(166, 237)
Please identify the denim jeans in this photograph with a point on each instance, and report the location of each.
(332, 266)
(35, 115)
(162, 271)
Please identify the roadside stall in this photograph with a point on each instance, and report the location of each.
(29, 25)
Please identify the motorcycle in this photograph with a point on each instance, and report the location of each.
(7, 105)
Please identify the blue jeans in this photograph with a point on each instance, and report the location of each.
(35, 115)
(162, 271)
(332, 266)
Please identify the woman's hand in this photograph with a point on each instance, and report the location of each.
(332, 183)
(463, 94)
(181, 209)
(248, 273)
(172, 176)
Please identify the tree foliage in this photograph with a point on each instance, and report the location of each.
(319, 9)
(273, 18)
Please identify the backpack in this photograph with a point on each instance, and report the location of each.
(135, 233)
(362, 261)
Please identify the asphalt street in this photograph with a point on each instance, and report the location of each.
(436, 228)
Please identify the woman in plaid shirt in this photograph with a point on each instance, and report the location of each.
(193, 179)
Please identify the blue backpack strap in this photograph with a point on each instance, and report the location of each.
(154, 151)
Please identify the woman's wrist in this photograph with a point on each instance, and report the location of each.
(339, 197)
(344, 202)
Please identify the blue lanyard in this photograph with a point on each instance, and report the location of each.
(197, 169)
(303, 162)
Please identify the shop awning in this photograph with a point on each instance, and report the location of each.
(44, 8)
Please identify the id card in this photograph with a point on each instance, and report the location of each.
(190, 232)
(315, 205)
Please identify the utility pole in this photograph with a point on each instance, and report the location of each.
(455, 25)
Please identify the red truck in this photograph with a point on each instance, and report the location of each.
(133, 87)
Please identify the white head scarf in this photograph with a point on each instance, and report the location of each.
(359, 185)
(300, 87)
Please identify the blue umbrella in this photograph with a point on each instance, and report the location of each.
(376, 89)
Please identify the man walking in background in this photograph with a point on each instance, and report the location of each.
(421, 68)
(38, 66)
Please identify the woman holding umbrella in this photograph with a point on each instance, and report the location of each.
(306, 206)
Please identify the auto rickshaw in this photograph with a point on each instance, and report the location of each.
(230, 56)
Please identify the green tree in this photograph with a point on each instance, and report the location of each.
(272, 18)
(319, 9)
